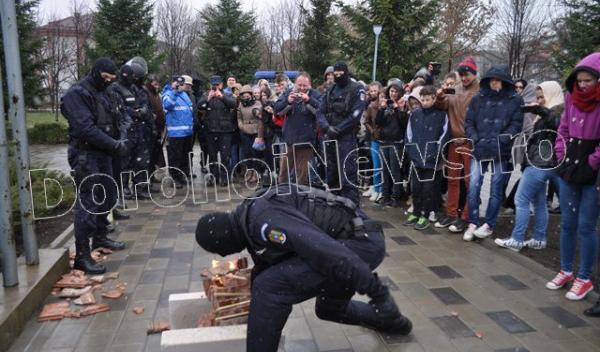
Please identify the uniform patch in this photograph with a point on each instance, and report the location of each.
(276, 236)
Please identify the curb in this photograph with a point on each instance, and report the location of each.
(63, 238)
(30, 295)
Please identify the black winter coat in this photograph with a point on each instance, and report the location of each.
(392, 124)
(494, 118)
(219, 117)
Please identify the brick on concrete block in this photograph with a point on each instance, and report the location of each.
(186, 308)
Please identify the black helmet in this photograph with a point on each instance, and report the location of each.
(425, 75)
(126, 75)
(217, 233)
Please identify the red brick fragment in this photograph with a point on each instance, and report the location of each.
(54, 311)
(94, 308)
(114, 293)
(156, 327)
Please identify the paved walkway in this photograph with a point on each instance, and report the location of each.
(460, 296)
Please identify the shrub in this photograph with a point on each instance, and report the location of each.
(48, 133)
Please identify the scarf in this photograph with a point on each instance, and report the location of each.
(586, 101)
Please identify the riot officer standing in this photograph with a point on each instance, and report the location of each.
(148, 130)
(93, 138)
(305, 243)
(135, 114)
(339, 117)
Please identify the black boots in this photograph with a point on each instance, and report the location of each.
(117, 215)
(101, 240)
(593, 311)
(84, 261)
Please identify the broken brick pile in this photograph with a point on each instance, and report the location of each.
(227, 287)
(77, 291)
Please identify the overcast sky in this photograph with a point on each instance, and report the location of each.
(61, 8)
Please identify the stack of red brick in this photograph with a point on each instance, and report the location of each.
(227, 287)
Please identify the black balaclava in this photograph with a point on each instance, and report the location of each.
(344, 79)
(106, 65)
(217, 233)
(126, 76)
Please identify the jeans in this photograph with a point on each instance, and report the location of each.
(532, 190)
(376, 165)
(579, 217)
(474, 200)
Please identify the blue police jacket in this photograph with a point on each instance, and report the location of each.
(178, 113)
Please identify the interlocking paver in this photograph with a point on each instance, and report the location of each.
(445, 272)
(429, 272)
(453, 326)
(448, 295)
(510, 322)
(564, 317)
(509, 282)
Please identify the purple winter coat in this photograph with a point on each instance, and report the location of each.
(579, 147)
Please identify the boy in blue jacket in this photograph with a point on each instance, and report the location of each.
(426, 134)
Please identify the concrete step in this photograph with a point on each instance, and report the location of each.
(19, 303)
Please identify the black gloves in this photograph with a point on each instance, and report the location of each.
(332, 132)
(121, 147)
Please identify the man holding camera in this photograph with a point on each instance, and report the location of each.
(459, 149)
(180, 129)
(221, 124)
(300, 128)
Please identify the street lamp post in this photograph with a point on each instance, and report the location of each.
(377, 31)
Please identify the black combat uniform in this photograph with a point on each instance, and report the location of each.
(305, 243)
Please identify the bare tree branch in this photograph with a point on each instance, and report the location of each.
(177, 28)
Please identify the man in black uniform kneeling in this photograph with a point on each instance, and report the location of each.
(305, 243)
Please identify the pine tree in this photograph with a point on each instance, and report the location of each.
(406, 42)
(121, 31)
(577, 33)
(317, 40)
(30, 46)
(230, 42)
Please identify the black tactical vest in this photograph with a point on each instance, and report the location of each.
(338, 107)
(104, 114)
(129, 98)
(335, 215)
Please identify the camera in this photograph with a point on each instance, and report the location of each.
(449, 91)
(436, 68)
(529, 108)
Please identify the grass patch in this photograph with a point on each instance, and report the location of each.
(44, 117)
(43, 128)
